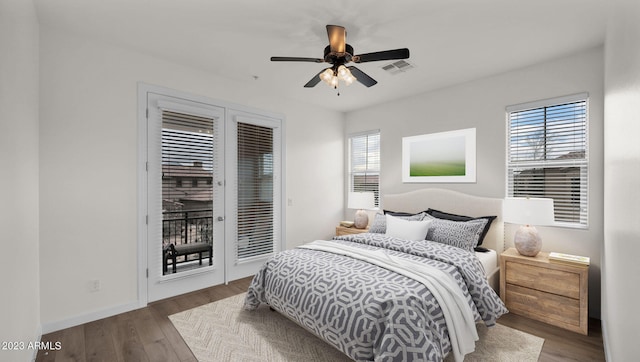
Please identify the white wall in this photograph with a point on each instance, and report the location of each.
(20, 301)
(88, 174)
(621, 269)
(481, 104)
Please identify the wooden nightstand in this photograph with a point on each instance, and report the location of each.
(551, 292)
(341, 230)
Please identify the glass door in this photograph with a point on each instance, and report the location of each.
(185, 196)
(254, 174)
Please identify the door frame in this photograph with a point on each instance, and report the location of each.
(142, 186)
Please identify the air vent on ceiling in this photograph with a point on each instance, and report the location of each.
(398, 66)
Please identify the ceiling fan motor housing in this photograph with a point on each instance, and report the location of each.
(340, 58)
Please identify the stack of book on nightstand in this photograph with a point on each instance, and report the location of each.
(568, 258)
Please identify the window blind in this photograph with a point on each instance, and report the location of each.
(255, 191)
(548, 156)
(187, 170)
(364, 161)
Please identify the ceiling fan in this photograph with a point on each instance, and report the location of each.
(338, 53)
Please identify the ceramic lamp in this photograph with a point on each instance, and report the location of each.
(361, 201)
(528, 211)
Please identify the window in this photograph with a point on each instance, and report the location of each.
(364, 163)
(548, 154)
(255, 190)
(187, 153)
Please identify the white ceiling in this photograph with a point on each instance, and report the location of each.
(451, 41)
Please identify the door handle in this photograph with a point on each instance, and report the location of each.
(220, 218)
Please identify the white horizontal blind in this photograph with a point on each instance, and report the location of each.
(188, 164)
(255, 191)
(548, 156)
(364, 161)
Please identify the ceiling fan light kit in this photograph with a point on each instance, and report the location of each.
(331, 76)
(338, 53)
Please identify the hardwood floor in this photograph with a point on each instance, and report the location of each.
(147, 334)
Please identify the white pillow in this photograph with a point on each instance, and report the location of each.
(407, 229)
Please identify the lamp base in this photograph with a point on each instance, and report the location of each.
(527, 241)
(361, 219)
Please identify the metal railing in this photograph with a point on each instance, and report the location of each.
(187, 226)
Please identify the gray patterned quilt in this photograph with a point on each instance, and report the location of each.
(367, 311)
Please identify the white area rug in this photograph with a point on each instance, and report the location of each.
(222, 331)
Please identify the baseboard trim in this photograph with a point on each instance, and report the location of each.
(88, 317)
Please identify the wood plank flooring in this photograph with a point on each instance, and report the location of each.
(147, 334)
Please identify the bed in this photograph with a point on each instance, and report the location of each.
(390, 295)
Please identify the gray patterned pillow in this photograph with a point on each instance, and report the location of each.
(379, 224)
(461, 234)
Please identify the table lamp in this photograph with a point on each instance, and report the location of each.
(361, 201)
(528, 211)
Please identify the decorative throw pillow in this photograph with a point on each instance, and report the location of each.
(461, 234)
(379, 224)
(447, 216)
(401, 213)
(406, 229)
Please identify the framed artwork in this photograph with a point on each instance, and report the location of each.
(440, 157)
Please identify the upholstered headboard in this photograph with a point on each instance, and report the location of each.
(452, 202)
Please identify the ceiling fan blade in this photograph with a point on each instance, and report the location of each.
(296, 59)
(315, 80)
(337, 38)
(383, 55)
(362, 77)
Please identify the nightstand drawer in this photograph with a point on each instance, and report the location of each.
(544, 279)
(550, 308)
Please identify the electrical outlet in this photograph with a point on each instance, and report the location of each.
(94, 285)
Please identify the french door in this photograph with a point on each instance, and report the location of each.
(185, 173)
(211, 195)
(254, 171)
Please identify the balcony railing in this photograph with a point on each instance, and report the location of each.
(187, 226)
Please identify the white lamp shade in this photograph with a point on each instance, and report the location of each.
(528, 211)
(361, 200)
